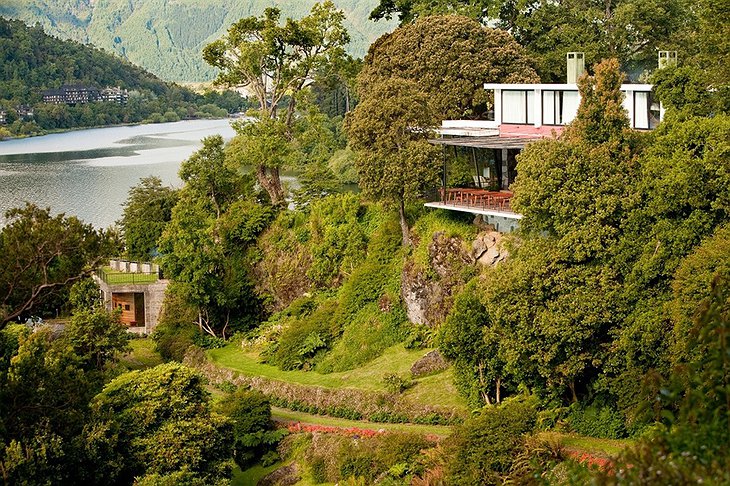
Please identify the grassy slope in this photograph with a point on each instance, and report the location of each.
(591, 445)
(142, 356)
(432, 390)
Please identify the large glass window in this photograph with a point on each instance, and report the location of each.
(518, 106)
(641, 109)
(559, 107)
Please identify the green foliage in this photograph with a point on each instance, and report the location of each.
(342, 165)
(471, 341)
(449, 58)
(692, 284)
(147, 211)
(337, 238)
(481, 451)
(96, 336)
(696, 397)
(395, 163)
(276, 62)
(580, 187)
(141, 419)
(683, 89)
(84, 294)
(631, 30)
(205, 244)
(602, 421)
(305, 339)
(331, 458)
(445, 223)
(395, 383)
(41, 256)
(176, 330)
(44, 396)
(254, 433)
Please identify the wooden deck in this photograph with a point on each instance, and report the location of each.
(477, 201)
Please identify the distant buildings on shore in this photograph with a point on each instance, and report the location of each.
(79, 94)
(21, 111)
(67, 95)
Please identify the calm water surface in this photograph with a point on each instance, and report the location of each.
(88, 173)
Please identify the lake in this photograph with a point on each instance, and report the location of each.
(87, 173)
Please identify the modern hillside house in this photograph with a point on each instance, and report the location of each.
(134, 288)
(522, 113)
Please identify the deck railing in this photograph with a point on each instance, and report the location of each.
(478, 198)
(111, 277)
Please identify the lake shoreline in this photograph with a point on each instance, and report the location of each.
(116, 125)
(88, 173)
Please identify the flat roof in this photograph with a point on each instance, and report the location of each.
(493, 142)
(560, 87)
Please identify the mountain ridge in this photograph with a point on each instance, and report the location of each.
(166, 37)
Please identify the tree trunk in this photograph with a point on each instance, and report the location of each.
(404, 224)
(270, 180)
(499, 394)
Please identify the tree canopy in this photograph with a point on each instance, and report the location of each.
(141, 419)
(276, 62)
(42, 255)
(146, 212)
(449, 58)
(629, 30)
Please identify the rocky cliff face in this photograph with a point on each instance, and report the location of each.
(428, 292)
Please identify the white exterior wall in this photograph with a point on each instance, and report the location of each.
(512, 106)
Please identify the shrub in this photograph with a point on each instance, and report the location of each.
(304, 339)
(482, 449)
(604, 422)
(176, 331)
(395, 383)
(254, 434)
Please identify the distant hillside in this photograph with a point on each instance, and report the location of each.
(166, 37)
(31, 61)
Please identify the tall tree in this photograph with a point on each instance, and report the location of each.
(204, 245)
(147, 210)
(629, 30)
(412, 79)
(41, 256)
(275, 63)
(395, 162)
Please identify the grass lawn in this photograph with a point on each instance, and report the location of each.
(432, 390)
(251, 476)
(142, 356)
(115, 278)
(591, 445)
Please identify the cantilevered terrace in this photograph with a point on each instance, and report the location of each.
(522, 113)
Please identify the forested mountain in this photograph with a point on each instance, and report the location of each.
(166, 37)
(31, 61)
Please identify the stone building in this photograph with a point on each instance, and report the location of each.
(135, 288)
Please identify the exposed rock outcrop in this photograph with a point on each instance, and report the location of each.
(487, 249)
(284, 476)
(428, 292)
(433, 362)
